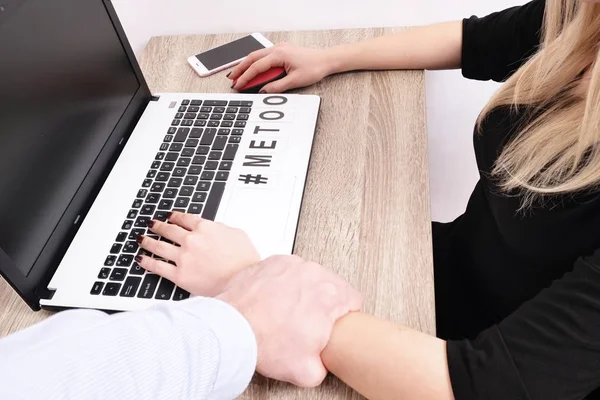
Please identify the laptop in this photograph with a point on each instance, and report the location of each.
(88, 156)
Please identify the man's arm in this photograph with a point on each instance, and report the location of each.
(197, 349)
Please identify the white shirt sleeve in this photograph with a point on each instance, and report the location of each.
(198, 348)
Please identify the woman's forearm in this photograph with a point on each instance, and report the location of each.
(384, 361)
(430, 47)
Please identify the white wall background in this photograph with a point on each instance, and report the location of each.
(453, 103)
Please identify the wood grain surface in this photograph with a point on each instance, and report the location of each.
(365, 212)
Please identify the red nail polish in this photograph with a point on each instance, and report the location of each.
(262, 92)
(227, 76)
(233, 84)
(151, 223)
(138, 258)
(139, 238)
(169, 214)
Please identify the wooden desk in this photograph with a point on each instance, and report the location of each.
(366, 207)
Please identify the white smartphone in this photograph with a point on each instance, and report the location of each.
(227, 55)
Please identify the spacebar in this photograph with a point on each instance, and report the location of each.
(214, 199)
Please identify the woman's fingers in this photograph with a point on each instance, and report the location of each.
(186, 221)
(166, 270)
(248, 61)
(174, 233)
(162, 249)
(262, 65)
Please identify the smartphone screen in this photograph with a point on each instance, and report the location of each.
(229, 52)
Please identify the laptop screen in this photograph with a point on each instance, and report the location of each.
(65, 82)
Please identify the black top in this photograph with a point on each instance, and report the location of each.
(532, 279)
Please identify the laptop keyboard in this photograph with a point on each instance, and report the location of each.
(188, 174)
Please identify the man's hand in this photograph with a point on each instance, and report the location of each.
(292, 306)
(205, 255)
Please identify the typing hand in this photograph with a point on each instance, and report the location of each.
(292, 306)
(303, 66)
(206, 257)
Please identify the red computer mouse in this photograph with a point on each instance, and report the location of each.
(262, 79)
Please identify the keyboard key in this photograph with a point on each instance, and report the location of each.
(116, 248)
(104, 273)
(245, 110)
(158, 187)
(194, 109)
(182, 202)
(199, 197)
(246, 103)
(111, 289)
(168, 138)
(237, 132)
(213, 124)
(194, 170)
(187, 152)
(176, 147)
(110, 261)
(167, 166)
(175, 182)
(203, 116)
(127, 225)
(186, 191)
(153, 198)
(229, 117)
(219, 110)
(161, 216)
(162, 177)
(203, 187)
(137, 203)
(208, 137)
(226, 124)
(190, 116)
(159, 156)
(121, 237)
(132, 214)
(215, 155)
(220, 143)
(130, 286)
(155, 164)
(148, 286)
(215, 103)
(235, 103)
(151, 174)
(142, 193)
(179, 115)
(187, 122)
(206, 110)
(118, 274)
(136, 269)
(170, 193)
(222, 176)
(195, 209)
(232, 110)
(129, 247)
(142, 222)
(164, 147)
(190, 180)
(214, 199)
(182, 109)
(242, 117)
(165, 289)
(211, 165)
(199, 122)
(147, 183)
(179, 172)
(240, 124)
(165, 204)
(235, 139)
(196, 102)
(125, 260)
(176, 122)
(225, 165)
(203, 150)
(185, 102)
(97, 288)
(148, 209)
(207, 176)
(230, 152)
(223, 131)
(191, 143)
(180, 294)
(184, 161)
(199, 160)
(135, 233)
(172, 130)
(172, 157)
(181, 135)
(196, 133)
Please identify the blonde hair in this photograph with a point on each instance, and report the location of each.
(556, 149)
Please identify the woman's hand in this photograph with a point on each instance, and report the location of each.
(303, 66)
(205, 254)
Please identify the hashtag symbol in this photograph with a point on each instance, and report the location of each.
(256, 179)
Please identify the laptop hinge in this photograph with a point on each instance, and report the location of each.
(154, 98)
(46, 294)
